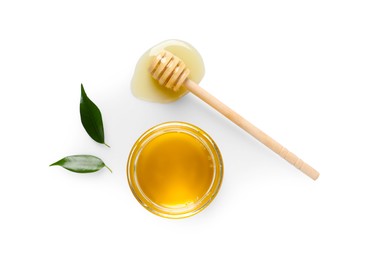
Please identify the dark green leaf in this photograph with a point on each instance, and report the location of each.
(81, 163)
(91, 118)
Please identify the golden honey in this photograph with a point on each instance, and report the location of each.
(175, 170)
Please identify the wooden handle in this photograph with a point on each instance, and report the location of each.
(251, 129)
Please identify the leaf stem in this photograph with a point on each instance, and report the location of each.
(108, 168)
(107, 145)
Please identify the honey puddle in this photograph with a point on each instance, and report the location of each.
(144, 87)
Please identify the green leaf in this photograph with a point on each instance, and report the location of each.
(81, 163)
(91, 118)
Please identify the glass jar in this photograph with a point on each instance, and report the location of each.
(175, 170)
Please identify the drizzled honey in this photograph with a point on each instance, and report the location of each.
(144, 87)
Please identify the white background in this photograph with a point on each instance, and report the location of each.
(299, 70)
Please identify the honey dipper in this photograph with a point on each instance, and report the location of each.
(171, 72)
